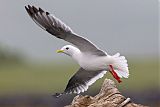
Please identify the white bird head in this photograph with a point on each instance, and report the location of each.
(69, 50)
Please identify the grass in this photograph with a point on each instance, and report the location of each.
(53, 77)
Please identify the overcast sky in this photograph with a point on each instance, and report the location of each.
(126, 26)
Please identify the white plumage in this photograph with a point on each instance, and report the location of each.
(94, 62)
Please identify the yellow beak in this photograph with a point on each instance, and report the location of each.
(60, 51)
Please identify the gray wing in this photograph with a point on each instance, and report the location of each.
(57, 28)
(81, 80)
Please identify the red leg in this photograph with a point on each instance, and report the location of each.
(114, 74)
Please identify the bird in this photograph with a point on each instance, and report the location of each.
(94, 63)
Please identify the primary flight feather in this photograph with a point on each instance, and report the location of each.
(94, 63)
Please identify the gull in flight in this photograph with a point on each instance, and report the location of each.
(94, 62)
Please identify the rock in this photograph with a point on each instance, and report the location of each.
(109, 96)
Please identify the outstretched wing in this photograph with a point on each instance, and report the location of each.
(57, 28)
(81, 80)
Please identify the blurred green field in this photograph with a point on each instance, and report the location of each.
(51, 77)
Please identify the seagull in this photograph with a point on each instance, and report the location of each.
(93, 62)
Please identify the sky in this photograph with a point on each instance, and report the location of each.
(126, 26)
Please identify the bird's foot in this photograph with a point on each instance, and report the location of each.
(114, 74)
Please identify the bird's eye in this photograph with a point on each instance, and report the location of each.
(67, 48)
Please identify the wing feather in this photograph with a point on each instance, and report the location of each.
(81, 80)
(59, 29)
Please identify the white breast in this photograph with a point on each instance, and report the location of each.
(89, 62)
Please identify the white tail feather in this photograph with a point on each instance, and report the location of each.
(120, 65)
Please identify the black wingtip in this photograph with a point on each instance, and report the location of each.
(57, 95)
(29, 6)
(28, 10)
(41, 10)
(26, 7)
(47, 13)
(34, 9)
